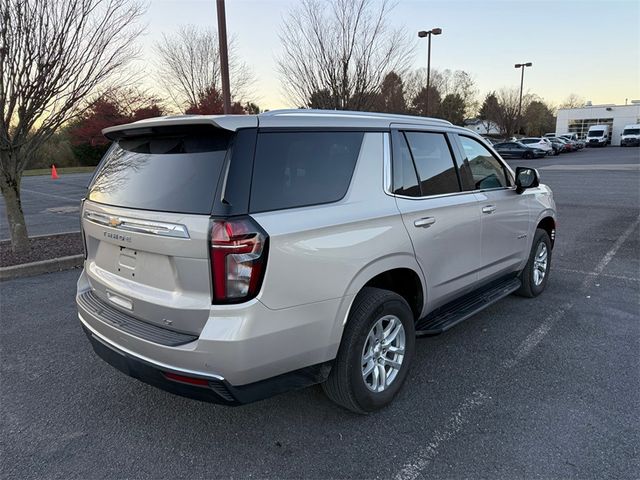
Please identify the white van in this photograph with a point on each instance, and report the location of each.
(598, 136)
(630, 136)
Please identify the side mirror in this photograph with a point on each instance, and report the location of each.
(526, 178)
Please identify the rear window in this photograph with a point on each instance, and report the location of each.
(296, 169)
(174, 170)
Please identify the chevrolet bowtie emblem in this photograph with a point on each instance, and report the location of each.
(114, 221)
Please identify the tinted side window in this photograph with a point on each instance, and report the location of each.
(405, 180)
(294, 169)
(434, 163)
(487, 172)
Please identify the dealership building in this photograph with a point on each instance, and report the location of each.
(578, 120)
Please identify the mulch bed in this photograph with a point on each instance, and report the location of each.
(42, 248)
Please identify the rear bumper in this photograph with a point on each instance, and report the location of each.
(214, 389)
(246, 350)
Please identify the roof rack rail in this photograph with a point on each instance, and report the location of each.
(350, 113)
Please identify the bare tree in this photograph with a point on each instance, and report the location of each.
(446, 82)
(53, 54)
(508, 113)
(189, 66)
(573, 101)
(342, 48)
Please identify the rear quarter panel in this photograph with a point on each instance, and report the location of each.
(330, 251)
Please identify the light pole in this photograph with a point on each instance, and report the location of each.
(522, 67)
(224, 57)
(422, 34)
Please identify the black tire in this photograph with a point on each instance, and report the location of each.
(529, 287)
(527, 155)
(345, 385)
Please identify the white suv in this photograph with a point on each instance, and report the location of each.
(540, 143)
(229, 258)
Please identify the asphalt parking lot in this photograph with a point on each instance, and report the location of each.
(50, 206)
(529, 388)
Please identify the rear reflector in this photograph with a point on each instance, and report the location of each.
(201, 382)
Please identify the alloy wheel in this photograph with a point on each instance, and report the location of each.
(383, 353)
(540, 262)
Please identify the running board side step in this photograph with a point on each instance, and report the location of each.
(459, 310)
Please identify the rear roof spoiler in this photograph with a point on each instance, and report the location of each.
(225, 122)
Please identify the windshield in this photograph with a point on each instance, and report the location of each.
(631, 131)
(595, 133)
(529, 140)
(173, 172)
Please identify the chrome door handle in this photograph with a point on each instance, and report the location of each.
(425, 222)
(489, 209)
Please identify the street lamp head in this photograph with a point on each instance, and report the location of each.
(434, 31)
(528, 64)
(519, 65)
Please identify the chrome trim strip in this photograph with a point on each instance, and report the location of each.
(386, 156)
(453, 194)
(163, 229)
(142, 358)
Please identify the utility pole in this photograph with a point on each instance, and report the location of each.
(422, 34)
(224, 56)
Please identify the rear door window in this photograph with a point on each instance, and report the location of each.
(434, 163)
(405, 178)
(296, 169)
(176, 170)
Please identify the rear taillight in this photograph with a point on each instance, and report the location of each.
(238, 259)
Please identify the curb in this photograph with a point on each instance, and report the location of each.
(43, 266)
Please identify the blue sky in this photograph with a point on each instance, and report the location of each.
(591, 48)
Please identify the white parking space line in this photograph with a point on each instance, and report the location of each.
(621, 166)
(535, 337)
(616, 246)
(51, 195)
(416, 466)
(455, 423)
(606, 275)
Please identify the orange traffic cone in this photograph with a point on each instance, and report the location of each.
(54, 173)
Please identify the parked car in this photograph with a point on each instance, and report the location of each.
(518, 150)
(573, 146)
(570, 136)
(560, 144)
(598, 136)
(540, 143)
(575, 141)
(569, 146)
(630, 136)
(558, 147)
(233, 257)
